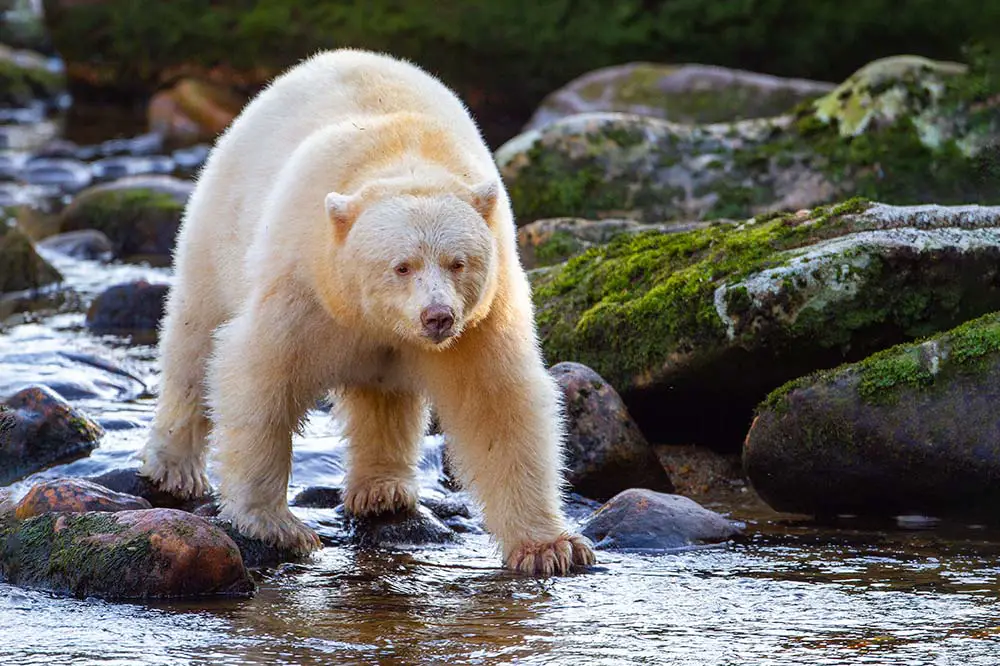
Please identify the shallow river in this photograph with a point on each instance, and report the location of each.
(789, 593)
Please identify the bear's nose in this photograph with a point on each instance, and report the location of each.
(437, 321)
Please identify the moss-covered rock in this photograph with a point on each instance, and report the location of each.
(695, 328)
(140, 215)
(912, 429)
(146, 554)
(38, 429)
(548, 242)
(901, 130)
(21, 267)
(692, 94)
(25, 77)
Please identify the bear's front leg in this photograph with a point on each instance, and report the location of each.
(501, 411)
(260, 383)
(384, 431)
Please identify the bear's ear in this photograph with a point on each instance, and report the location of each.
(342, 210)
(484, 197)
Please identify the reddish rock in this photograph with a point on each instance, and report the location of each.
(147, 554)
(76, 496)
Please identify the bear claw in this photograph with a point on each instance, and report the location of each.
(554, 558)
(184, 480)
(280, 529)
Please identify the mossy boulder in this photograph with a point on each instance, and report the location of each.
(25, 77)
(141, 215)
(695, 328)
(145, 554)
(691, 94)
(901, 130)
(553, 241)
(910, 430)
(21, 267)
(39, 429)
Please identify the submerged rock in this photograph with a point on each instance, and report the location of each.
(694, 329)
(901, 130)
(318, 497)
(641, 519)
(910, 430)
(21, 267)
(74, 496)
(141, 215)
(39, 429)
(693, 94)
(605, 452)
(133, 309)
(419, 526)
(148, 554)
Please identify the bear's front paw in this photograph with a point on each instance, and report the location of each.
(553, 558)
(184, 479)
(279, 528)
(379, 495)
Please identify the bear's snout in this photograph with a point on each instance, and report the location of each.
(438, 321)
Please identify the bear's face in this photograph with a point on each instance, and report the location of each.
(421, 265)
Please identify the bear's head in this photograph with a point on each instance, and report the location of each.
(423, 262)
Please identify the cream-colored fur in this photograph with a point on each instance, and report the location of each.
(347, 201)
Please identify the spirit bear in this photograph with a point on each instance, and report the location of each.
(350, 232)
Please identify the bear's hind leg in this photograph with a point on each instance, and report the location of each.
(384, 431)
(174, 454)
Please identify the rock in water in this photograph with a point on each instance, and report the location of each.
(38, 429)
(911, 430)
(419, 526)
(133, 309)
(639, 519)
(694, 329)
(129, 482)
(74, 496)
(150, 554)
(605, 452)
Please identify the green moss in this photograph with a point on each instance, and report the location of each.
(20, 84)
(21, 267)
(556, 248)
(916, 366)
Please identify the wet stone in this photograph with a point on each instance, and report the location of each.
(145, 554)
(39, 429)
(11, 165)
(113, 168)
(255, 553)
(58, 148)
(318, 497)
(132, 309)
(74, 496)
(69, 175)
(88, 244)
(142, 145)
(419, 526)
(639, 519)
(191, 158)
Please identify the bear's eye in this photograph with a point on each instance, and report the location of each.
(457, 265)
(402, 269)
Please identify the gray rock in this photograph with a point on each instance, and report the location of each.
(639, 519)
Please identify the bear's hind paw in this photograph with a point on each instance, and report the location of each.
(554, 558)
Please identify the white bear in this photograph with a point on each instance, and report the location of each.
(350, 232)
